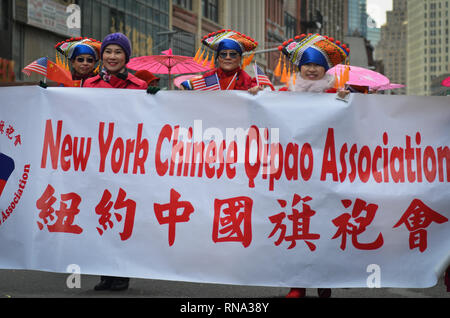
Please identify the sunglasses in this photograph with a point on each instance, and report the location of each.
(224, 55)
(87, 59)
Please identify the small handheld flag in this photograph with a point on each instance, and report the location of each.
(52, 71)
(262, 78)
(209, 83)
(38, 66)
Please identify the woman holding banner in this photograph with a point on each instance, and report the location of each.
(115, 54)
(229, 46)
(313, 55)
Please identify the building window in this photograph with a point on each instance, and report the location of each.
(187, 4)
(290, 24)
(140, 21)
(210, 9)
(184, 43)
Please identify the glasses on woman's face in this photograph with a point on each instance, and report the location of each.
(90, 60)
(232, 55)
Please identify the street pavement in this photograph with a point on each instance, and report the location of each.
(38, 284)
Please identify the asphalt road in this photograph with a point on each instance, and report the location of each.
(37, 284)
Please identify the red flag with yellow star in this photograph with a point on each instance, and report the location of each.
(60, 75)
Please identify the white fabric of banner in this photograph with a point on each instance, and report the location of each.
(285, 189)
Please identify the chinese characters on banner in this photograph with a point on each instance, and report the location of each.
(232, 219)
(9, 132)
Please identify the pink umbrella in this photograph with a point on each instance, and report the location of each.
(390, 86)
(446, 82)
(360, 76)
(167, 63)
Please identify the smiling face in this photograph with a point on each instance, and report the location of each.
(83, 64)
(229, 60)
(114, 58)
(312, 71)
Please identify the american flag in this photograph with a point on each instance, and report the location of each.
(209, 83)
(38, 66)
(262, 78)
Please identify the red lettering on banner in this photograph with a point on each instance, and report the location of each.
(211, 157)
(69, 149)
(104, 144)
(121, 151)
(65, 216)
(173, 217)
(9, 131)
(51, 144)
(300, 223)
(17, 140)
(417, 218)
(329, 165)
(233, 220)
(276, 151)
(103, 209)
(231, 159)
(400, 164)
(355, 224)
(252, 170)
(162, 167)
(188, 157)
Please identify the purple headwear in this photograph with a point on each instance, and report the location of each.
(119, 39)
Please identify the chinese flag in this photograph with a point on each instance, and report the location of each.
(60, 75)
(76, 83)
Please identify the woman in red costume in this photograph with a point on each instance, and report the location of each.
(115, 53)
(81, 55)
(229, 47)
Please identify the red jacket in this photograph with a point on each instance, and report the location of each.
(131, 82)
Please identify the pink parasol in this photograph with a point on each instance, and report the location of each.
(167, 63)
(390, 86)
(446, 82)
(360, 76)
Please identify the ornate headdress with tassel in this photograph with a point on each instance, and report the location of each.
(310, 48)
(315, 48)
(225, 40)
(71, 48)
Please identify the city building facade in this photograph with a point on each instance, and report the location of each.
(33, 27)
(392, 47)
(330, 17)
(428, 46)
(357, 18)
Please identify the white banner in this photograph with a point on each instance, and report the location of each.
(280, 189)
